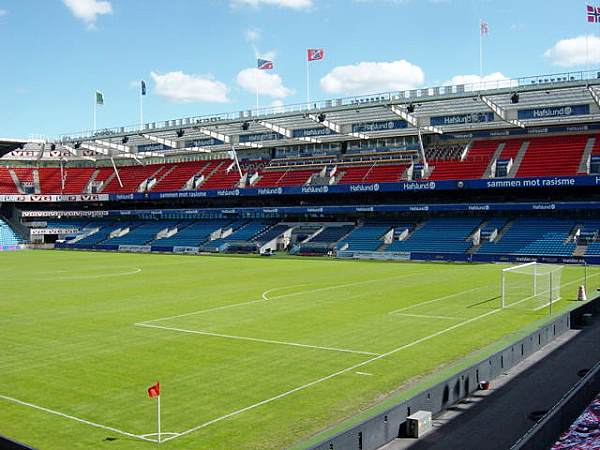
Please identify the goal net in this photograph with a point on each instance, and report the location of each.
(531, 286)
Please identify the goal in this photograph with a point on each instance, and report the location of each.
(531, 286)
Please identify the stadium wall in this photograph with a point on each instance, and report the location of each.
(8, 444)
(388, 425)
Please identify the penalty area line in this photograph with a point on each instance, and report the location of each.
(74, 418)
(265, 341)
(335, 374)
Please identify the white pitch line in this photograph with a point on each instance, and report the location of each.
(364, 373)
(424, 316)
(76, 419)
(436, 299)
(264, 294)
(335, 374)
(235, 305)
(265, 341)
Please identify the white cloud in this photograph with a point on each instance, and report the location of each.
(277, 106)
(3, 12)
(89, 10)
(269, 84)
(575, 52)
(493, 80)
(184, 88)
(373, 77)
(291, 4)
(253, 35)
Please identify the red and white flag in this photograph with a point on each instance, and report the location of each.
(154, 390)
(315, 54)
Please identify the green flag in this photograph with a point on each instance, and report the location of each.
(99, 98)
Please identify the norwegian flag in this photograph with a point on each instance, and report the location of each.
(315, 54)
(264, 64)
(593, 14)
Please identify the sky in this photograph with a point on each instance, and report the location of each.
(199, 56)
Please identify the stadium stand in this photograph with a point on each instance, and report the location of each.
(439, 235)
(141, 233)
(190, 234)
(364, 238)
(7, 185)
(8, 237)
(473, 166)
(557, 155)
(533, 236)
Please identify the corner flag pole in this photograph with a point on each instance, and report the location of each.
(158, 416)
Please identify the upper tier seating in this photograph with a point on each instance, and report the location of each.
(132, 177)
(7, 185)
(555, 155)
(288, 177)
(534, 236)
(176, 179)
(473, 166)
(439, 235)
(372, 173)
(365, 238)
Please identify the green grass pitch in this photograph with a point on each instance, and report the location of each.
(251, 353)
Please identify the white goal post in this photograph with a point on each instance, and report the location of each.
(532, 285)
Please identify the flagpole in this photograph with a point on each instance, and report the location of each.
(257, 99)
(307, 82)
(480, 50)
(141, 110)
(95, 104)
(158, 416)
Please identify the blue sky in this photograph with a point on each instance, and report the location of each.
(197, 56)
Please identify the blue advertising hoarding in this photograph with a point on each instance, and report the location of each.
(553, 111)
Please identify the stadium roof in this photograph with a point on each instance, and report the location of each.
(8, 145)
(351, 119)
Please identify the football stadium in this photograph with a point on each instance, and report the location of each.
(408, 268)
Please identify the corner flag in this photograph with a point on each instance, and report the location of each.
(154, 391)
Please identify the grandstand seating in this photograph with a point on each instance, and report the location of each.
(364, 238)
(8, 237)
(141, 233)
(7, 185)
(473, 166)
(372, 173)
(176, 178)
(191, 234)
(284, 178)
(545, 156)
(104, 231)
(270, 234)
(244, 232)
(533, 236)
(555, 155)
(439, 235)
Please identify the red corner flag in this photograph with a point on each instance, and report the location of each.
(154, 391)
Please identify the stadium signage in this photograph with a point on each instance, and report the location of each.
(458, 119)
(207, 142)
(260, 137)
(270, 191)
(63, 214)
(44, 231)
(135, 248)
(152, 148)
(36, 198)
(365, 127)
(312, 132)
(186, 250)
(554, 111)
